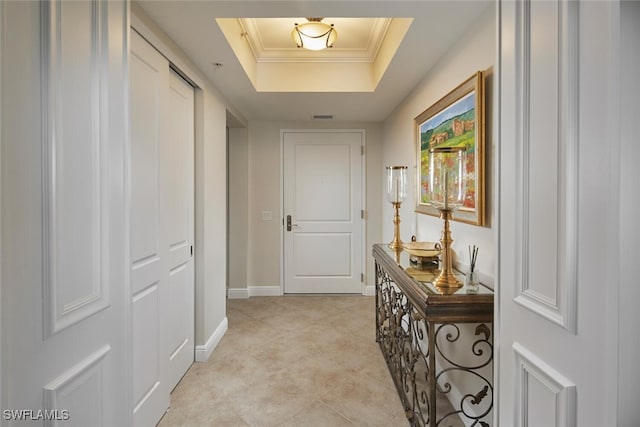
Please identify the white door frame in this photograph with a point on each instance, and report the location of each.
(495, 161)
(2, 402)
(363, 199)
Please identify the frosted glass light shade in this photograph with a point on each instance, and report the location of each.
(446, 177)
(396, 184)
(314, 35)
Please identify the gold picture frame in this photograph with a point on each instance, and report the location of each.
(457, 119)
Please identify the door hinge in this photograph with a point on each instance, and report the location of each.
(362, 150)
(362, 213)
(191, 250)
(361, 277)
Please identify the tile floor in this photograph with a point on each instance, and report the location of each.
(291, 361)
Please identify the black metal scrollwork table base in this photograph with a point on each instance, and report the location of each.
(437, 346)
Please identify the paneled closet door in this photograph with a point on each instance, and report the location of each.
(177, 216)
(64, 268)
(162, 296)
(555, 225)
(149, 74)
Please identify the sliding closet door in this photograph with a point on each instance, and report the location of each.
(149, 72)
(176, 197)
(162, 280)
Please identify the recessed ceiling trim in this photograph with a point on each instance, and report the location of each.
(344, 56)
(252, 35)
(378, 36)
(194, 26)
(286, 51)
(264, 49)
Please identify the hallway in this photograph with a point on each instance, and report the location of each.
(83, 329)
(291, 361)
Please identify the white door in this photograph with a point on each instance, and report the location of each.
(177, 199)
(149, 73)
(65, 352)
(162, 294)
(322, 211)
(556, 222)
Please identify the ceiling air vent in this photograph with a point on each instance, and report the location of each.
(322, 117)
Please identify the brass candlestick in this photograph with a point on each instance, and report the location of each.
(396, 243)
(446, 278)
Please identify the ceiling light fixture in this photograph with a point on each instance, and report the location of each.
(314, 35)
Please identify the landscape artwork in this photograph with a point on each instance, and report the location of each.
(457, 120)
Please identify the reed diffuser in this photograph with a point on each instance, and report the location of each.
(473, 284)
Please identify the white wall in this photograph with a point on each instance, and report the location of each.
(473, 52)
(629, 316)
(211, 217)
(263, 257)
(238, 207)
(210, 186)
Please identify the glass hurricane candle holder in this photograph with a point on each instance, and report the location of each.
(396, 194)
(446, 193)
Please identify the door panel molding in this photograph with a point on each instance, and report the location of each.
(77, 393)
(548, 161)
(146, 363)
(75, 163)
(532, 371)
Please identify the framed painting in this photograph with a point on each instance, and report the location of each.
(455, 120)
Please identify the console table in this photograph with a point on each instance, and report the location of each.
(437, 347)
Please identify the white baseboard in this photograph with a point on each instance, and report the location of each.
(369, 290)
(265, 291)
(275, 291)
(204, 351)
(237, 293)
(254, 291)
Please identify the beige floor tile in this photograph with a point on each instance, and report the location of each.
(316, 378)
(291, 361)
(233, 373)
(363, 400)
(215, 413)
(318, 415)
(268, 403)
(398, 418)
